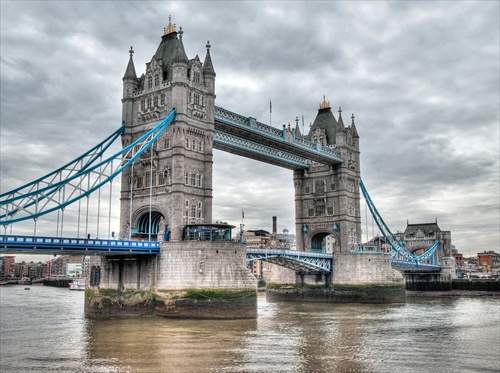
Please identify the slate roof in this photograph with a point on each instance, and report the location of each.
(427, 228)
(324, 119)
(166, 52)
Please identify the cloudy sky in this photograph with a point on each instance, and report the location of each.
(422, 79)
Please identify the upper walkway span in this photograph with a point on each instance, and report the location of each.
(247, 137)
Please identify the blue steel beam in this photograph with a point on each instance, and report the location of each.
(244, 147)
(249, 128)
(64, 246)
(45, 199)
(295, 260)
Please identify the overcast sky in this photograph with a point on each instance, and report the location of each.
(422, 79)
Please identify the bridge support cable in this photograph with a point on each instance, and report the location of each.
(400, 254)
(77, 165)
(39, 199)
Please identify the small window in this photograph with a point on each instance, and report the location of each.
(196, 77)
(150, 82)
(157, 80)
(162, 100)
(196, 99)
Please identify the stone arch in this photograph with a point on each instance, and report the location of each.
(317, 241)
(142, 227)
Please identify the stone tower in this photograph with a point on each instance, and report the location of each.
(170, 185)
(327, 198)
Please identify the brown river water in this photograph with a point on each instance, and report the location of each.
(44, 329)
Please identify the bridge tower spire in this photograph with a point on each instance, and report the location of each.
(177, 172)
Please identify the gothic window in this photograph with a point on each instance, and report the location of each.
(333, 186)
(196, 99)
(330, 210)
(193, 179)
(156, 101)
(157, 80)
(148, 179)
(187, 143)
(199, 205)
(193, 211)
(161, 178)
(307, 189)
(196, 77)
(320, 210)
(198, 180)
(154, 178)
(186, 178)
(139, 182)
(150, 82)
(166, 143)
(350, 186)
(311, 212)
(143, 104)
(199, 148)
(193, 145)
(150, 102)
(162, 100)
(320, 187)
(187, 203)
(353, 239)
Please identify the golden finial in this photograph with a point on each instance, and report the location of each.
(170, 28)
(324, 104)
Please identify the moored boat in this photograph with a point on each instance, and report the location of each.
(77, 284)
(25, 281)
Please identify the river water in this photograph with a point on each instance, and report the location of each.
(44, 330)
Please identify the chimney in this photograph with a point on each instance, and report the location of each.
(274, 226)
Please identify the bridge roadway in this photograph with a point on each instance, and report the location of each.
(309, 262)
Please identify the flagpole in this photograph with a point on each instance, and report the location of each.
(270, 112)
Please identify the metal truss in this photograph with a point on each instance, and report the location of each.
(235, 144)
(299, 261)
(76, 180)
(63, 246)
(399, 252)
(271, 135)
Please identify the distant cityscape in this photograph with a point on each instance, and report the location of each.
(485, 264)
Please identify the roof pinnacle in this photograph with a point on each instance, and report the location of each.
(170, 28)
(208, 45)
(324, 104)
(131, 51)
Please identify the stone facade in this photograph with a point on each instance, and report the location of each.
(177, 171)
(327, 198)
(204, 265)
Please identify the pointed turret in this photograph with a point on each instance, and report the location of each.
(180, 53)
(340, 125)
(208, 67)
(353, 128)
(130, 71)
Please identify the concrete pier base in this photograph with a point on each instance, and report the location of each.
(355, 278)
(191, 279)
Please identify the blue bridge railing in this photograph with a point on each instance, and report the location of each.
(82, 246)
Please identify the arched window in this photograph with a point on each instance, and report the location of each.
(320, 187)
(150, 82)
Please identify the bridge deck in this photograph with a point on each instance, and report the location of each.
(64, 246)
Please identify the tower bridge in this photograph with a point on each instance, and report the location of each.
(171, 126)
